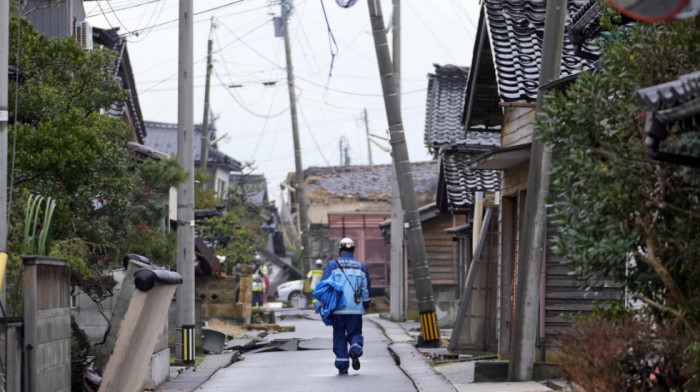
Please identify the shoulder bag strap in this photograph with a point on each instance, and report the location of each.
(346, 277)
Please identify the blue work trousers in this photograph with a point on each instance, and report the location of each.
(347, 332)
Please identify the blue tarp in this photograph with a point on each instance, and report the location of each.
(330, 297)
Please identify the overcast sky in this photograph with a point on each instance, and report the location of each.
(249, 95)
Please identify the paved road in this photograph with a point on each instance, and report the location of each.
(312, 369)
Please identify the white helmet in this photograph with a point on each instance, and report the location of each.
(346, 245)
(319, 262)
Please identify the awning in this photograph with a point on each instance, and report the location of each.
(502, 158)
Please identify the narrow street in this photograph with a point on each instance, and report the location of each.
(312, 369)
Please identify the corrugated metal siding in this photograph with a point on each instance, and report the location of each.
(55, 21)
(370, 246)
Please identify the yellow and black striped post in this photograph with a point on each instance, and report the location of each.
(3, 266)
(429, 329)
(188, 352)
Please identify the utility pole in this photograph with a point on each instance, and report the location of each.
(397, 278)
(369, 145)
(534, 227)
(300, 186)
(184, 305)
(203, 156)
(417, 256)
(340, 151)
(4, 119)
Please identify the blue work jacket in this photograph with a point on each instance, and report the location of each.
(356, 277)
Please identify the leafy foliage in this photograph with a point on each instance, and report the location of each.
(107, 205)
(204, 198)
(239, 232)
(620, 214)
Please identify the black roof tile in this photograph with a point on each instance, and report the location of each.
(460, 182)
(445, 99)
(516, 28)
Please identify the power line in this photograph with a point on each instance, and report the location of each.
(90, 14)
(243, 106)
(430, 31)
(194, 14)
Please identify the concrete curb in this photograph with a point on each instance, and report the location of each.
(191, 378)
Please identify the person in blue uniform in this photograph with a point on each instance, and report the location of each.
(346, 320)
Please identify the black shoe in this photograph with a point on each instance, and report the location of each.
(343, 372)
(355, 361)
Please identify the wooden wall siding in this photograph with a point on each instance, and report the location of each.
(514, 179)
(565, 295)
(508, 234)
(479, 329)
(441, 249)
(517, 126)
(55, 294)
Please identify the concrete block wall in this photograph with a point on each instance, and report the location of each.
(47, 331)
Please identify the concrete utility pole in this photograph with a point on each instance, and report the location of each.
(203, 156)
(397, 301)
(4, 118)
(416, 245)
(300, 186)
(534, 228)
(184, 341)
(369, 145)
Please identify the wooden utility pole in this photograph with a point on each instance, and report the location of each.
(204, 155)
(184, 304)
(397, 295)
(417, 256)
(533, 231)
(4, 119)
(300, 186)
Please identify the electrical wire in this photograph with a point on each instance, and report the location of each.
(90, 14)
(243, 106)
(118, 20)
(136, 31)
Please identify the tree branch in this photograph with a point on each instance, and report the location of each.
(668, 206)
(657, 305)
(651, 260)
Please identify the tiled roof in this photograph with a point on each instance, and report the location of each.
(460, 182)
(110, 39)
(670, 94)
(585, 25)
(163, 137)
(516, 28)
(671, 107)
(367, 182)
(443, 117)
